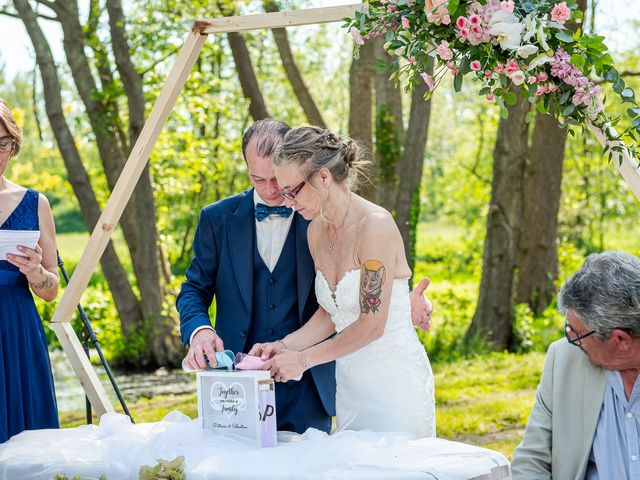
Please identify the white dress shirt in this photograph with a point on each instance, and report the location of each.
(271, 234)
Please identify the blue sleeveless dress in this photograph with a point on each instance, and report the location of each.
(27, 395)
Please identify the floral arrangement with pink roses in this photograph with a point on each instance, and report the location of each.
(502, 44)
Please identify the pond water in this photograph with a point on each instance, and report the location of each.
(133, 386)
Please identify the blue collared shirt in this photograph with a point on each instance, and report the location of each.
(615, 453)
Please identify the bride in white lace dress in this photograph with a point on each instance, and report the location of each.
(383, 376)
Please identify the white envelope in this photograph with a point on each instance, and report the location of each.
(10, 239)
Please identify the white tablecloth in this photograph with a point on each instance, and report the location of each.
(117, 449)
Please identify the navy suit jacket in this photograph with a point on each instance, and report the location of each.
(222, 265)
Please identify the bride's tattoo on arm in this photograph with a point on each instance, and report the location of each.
(45, 283)
(372, 276)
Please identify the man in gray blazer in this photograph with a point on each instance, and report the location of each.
(585, 423)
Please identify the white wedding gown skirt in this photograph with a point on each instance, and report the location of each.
(387, 385)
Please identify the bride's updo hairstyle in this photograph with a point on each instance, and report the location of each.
(315, 148)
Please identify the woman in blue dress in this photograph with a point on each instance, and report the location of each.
(27, 396)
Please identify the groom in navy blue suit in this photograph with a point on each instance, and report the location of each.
(251, 252)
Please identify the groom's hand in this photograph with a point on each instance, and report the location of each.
(205, 341)
(421, 307)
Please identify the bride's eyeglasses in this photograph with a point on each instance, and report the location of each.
(6, 144)
(293, 193)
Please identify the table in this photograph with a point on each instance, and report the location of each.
(116, 449)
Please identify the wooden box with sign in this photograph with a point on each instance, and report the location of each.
(228, 402)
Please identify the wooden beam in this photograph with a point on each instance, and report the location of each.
(129, 177)
(82, 367)
(293, 18)
(627, 166)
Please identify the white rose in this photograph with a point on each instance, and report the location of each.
(518, 77)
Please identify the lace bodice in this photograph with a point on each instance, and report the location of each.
(24, 217)
(343, 302)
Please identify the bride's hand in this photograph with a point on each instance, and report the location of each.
(267, 350)
(287, 365)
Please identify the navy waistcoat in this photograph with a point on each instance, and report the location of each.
(275, 309)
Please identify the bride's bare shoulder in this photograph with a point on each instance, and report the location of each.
(377, 224)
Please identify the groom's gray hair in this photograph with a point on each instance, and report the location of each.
(605, 293)
(268, 135)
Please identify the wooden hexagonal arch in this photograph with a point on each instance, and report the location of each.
(139, 156)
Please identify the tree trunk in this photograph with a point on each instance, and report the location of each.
(361, 107)
(407, 202)
(150, 274)
(125, 300)
(538, 256)
(389, 133)
(138, 221)
(307, 103)
(493, 316)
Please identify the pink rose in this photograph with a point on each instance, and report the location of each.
(461, 22)
(446, 20)
(540, 91)
(405, 22)
(443, 51)
(561, 13)
(507, 5)
(428, 79)
(474, 19)
(355, 33)
(475, 66)
(490, 97)
(464, 33)
(488, 74)
(512, 66)
(499, 68)
(532, 79)
(542, 77)
(372, 301)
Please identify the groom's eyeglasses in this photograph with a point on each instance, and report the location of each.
(572, 337)
(293, 193)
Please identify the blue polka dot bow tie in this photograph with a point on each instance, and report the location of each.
(263, 211)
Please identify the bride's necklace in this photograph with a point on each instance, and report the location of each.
(332, 241)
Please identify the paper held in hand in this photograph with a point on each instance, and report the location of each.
(10, 239)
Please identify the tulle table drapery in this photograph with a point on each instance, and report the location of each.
(117, 449)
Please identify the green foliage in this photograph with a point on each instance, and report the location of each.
(164, 469)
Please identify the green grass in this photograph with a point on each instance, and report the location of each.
(486, 400)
